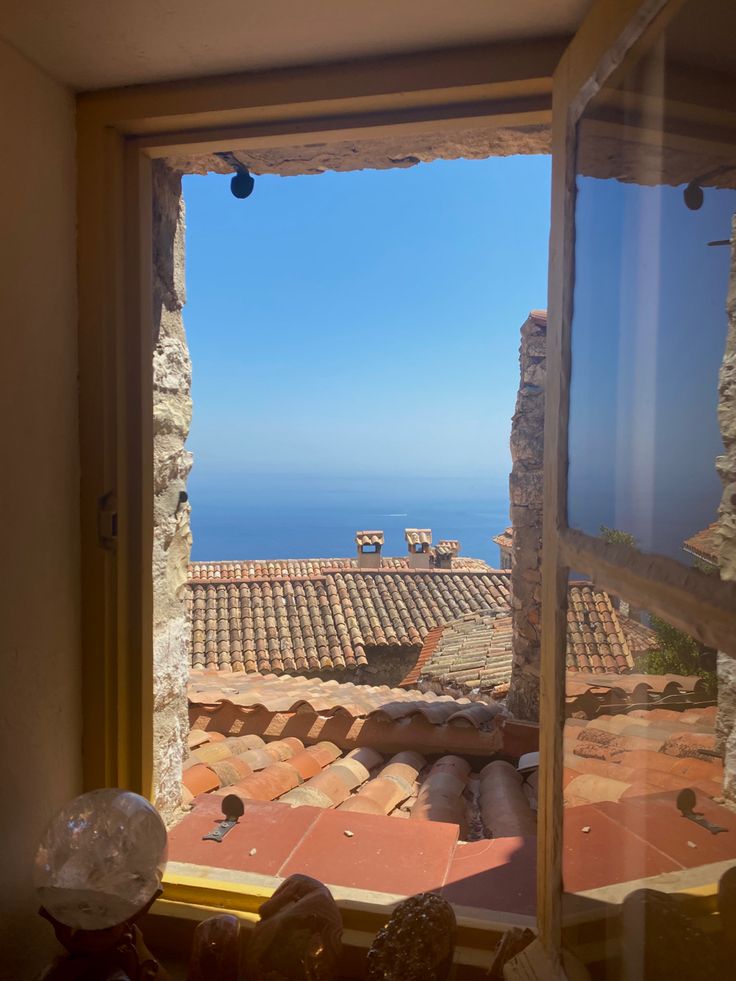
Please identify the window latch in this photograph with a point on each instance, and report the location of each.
(232, 809)
(107, 521)
(686, 801)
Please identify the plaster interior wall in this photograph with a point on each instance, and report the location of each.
(40, 692)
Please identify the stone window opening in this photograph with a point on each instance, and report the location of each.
(172, 461)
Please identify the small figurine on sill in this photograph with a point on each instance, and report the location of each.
(298, 938)
(98, 869)
(417, 943)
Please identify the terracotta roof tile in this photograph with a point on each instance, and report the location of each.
(440, 796)
(448, 546)
(704, 544)
(472, 654)
(589, 695)
(596, 640)
(369, 538)
(505, 809)
(237, 571)
(639, 637)
(505, 539)
(634, 755)
(326, 620)
(418, 536)
(353, 716)
(539, 317)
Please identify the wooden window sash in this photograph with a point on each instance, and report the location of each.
(707, 610)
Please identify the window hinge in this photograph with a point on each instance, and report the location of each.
(107, 521)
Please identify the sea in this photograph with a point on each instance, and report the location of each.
(277, 516)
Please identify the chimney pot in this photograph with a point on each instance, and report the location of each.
(369, 545)
(419, 541)
(445, 552)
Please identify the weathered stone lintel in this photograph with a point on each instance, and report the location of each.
(383, 153)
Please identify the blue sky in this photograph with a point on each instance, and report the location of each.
(362, 323)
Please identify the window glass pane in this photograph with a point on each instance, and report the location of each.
(648, 787)
(656, 173)
(650, 729)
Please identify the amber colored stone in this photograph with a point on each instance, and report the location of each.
(215, 950)
(299, 936)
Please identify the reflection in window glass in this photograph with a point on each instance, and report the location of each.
(645, 774)
(650, 730)
(649, 331)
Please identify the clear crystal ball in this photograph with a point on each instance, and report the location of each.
(101, 859)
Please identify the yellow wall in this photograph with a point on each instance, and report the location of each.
(40, 715)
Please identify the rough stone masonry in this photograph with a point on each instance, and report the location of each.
(172, 414)
(726, 465)
(526, 495)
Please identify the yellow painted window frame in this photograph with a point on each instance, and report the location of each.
(120, 133)
(691, 601)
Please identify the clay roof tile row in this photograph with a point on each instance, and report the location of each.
(283, 693)
(326, 622)
(596, 638)
(704, 544)
(234, 571)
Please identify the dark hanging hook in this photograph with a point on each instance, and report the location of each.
(693, 193)
(242, 182)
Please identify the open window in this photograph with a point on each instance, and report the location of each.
(641, 480)
(642, 145)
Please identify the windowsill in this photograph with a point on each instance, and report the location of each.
(193, 893)
(358, 852)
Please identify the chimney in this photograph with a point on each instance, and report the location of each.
(445, 552)
(419, 541)
(505, 542)
(369, 545)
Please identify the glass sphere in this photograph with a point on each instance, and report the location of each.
(101, 859)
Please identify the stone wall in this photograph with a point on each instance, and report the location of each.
(172, 413)
(526, 491)
(726, 464)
